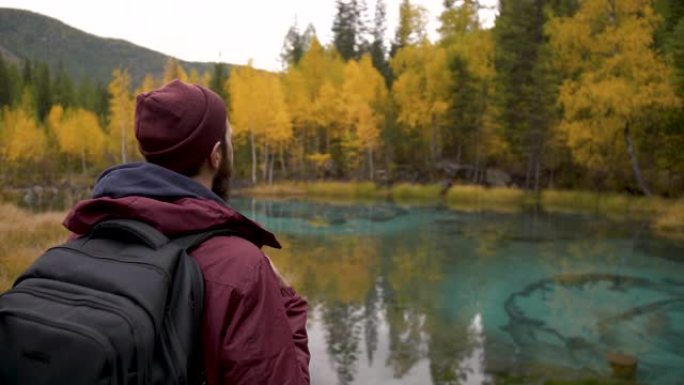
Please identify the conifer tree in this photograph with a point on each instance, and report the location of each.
(378, 49)
(5, 84)
(42, 91)
(63, 89)
(345, 33)
(218, 79)
(526, 84)
(296, 44)
(677, 50)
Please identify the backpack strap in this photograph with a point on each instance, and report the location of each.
(126, 228)
(189, 242)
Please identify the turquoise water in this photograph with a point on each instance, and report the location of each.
(425, 295)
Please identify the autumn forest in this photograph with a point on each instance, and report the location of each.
(565, 94)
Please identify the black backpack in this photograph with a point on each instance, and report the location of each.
(120, 306)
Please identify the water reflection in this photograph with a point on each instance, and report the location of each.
(406, 295)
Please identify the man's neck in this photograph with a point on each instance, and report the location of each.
(204, 179)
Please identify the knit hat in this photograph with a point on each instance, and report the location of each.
(178, 125)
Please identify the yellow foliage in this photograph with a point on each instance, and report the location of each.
(412, 27)
(364, 97)
(421, 89)
(312, 88)
(174, 70)
(78, 133)
(297, 96)
(258, 106)
(121, 132)
(20, 137)
(613, 75)
(148, 84)
(194, 77)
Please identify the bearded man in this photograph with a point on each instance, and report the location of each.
(253, 327)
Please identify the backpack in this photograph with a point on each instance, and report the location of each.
(120, 306)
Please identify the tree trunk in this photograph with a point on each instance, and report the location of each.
(635, 163)
(433, 143)
(528, 174)
(537, 171)
(254, 159)
(370, 164)
(83, 161)
(282, 163)
(476, 173)
(266, 156)
(270, 169)
(123, 142)
(458, 154)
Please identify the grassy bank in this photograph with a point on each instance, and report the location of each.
(23, 237)
(667, 215)
(671, 222)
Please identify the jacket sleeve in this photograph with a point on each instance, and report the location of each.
(296, 310)
(263, 341)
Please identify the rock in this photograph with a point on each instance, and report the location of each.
(624, 366)
(452, 169)
(497, 178)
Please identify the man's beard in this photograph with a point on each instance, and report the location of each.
(221, 183)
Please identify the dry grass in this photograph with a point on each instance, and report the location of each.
(478, 198)
(288, 189)
(355, 190)
(330, 190)
(671, 222)
(603, 203)
(23, 237)
(406, 192)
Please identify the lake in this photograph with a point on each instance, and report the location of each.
(426, 295)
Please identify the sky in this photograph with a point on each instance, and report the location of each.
(232, 31)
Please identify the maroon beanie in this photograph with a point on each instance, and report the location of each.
(178, 125)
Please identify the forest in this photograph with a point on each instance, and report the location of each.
(559, 94)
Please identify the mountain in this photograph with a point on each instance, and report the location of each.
(28, 35)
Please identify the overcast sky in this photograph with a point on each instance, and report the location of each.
(232, 31)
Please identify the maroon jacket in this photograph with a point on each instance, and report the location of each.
(253, 330)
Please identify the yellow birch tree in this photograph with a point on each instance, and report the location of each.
(173, 69)
(21, 137)
(614, 77)
(121, 114)
(78, 134)
(421, 91)
(364, 95)
(259, 112)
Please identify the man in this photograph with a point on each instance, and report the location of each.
(253, 329)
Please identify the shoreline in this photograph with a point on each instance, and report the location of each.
(666, 216)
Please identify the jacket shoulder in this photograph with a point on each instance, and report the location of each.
(229, 261)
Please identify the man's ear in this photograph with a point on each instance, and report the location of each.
(215, 157)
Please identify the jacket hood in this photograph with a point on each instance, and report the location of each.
(171, 202)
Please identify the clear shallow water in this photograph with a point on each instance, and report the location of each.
(425, 295)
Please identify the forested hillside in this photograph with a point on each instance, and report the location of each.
(26, 35)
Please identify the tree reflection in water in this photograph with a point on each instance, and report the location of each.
(419, 296)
